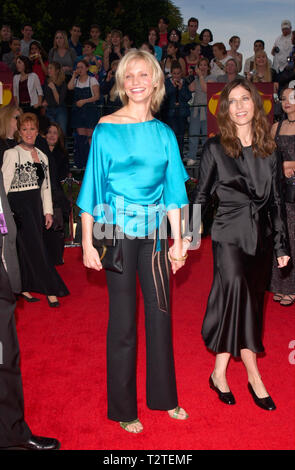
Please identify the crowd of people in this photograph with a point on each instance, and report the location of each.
(73, 83)
(243, 165)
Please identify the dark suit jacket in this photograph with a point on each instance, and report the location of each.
(250, 204)
(7, 243)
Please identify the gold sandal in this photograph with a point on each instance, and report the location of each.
(124, 425)
(176, 414)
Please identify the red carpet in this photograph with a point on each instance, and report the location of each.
(63, 367)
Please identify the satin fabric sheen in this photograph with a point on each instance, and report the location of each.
(137, 171)
(249, 220)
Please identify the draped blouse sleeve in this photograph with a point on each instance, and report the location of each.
(92, 195)
(174, 191)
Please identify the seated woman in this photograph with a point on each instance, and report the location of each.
(206, 37)
(220, 58)
(55, 92)
(27, 184)
(173, 54)
(27, 90)
(234, 43)
(38, 57)
(262, 72)
(230, 71)
(192, 58)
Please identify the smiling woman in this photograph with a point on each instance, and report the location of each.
(241, 166)
(134, 161)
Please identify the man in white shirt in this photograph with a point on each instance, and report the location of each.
(282, 47)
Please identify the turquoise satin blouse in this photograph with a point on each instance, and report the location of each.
(134, 175)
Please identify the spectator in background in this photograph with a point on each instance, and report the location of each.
(153, 39)
(27, 32)
(74, 39)
(10, 58)
(94, 61)
(220, 58)
(174, 35)
(5, 37)
(146, 46)
(127, 43)
(176, 104)
(249, 63)
(282, 47)
(234, 43)
(55, 90)
(206, 37)
(54, 237)
(230, 71)
(173, 54)
(198, 110)
(261, 72)
(108, 89)
(100, 44)
(114, 51)
(191, 34)
(163, 24)
(287, 75)
(85, 113)
(38, 57)
(192, 58)
(27, 90)
(62, 53)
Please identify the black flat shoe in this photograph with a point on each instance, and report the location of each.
(53, 304)
(37, 443)
(265, 403)
(225, 397)
(29, 299)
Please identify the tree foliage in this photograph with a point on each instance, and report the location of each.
(47, 16)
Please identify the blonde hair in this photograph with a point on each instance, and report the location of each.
(267, 71)
(64, 35)
(6, 114)
(59, 73)
(157, 74)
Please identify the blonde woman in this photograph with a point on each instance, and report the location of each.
(55, 92)
(134, 161)
(8, 128)
(62, 53)
(262, 72)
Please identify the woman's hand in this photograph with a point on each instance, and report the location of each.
(283, 261)
(48, 221)
(288, 172)
(91, 258)
(176, 256)
(80, 103)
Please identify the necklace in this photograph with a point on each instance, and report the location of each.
(290, 121)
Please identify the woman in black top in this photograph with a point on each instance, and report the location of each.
(241, 165)
(283, 281)
(55, 91)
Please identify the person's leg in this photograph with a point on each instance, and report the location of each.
(219, 373)
(254, 377)
(153, 271)
(194, 131)
(13, 428)
(121, 338)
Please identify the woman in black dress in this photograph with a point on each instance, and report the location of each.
(241, 166)
(27, 184)
(283, 280)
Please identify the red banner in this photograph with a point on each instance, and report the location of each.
(213, 94)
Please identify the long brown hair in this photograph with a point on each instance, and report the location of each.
(263, 143)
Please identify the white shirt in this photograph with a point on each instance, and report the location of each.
(215, 70)
(34, 87)
(284, 43)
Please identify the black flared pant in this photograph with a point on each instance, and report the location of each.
(13, 428)
(140, 257)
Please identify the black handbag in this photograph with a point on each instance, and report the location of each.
(108, 246)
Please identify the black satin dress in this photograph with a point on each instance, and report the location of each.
(249, 221)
